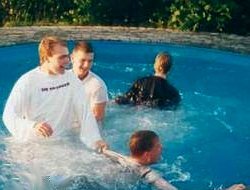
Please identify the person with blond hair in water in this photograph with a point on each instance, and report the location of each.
(153, 91)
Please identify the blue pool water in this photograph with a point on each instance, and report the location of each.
(206, 140)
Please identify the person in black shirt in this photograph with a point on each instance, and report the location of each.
(153, 91)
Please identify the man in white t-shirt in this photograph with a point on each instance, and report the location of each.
(96, 90)
(43, 102)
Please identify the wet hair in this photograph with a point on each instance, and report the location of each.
(163, 62)
(142, 141)
(47, 45)
(84, 46)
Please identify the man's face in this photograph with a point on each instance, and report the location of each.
(82, 63)
(58, 60)
(155, 153)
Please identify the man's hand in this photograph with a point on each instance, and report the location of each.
(43, 129)
(101, 145)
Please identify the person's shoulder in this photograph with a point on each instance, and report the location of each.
(31, 72)
(143, 79)
(69, 73)
(146, 78)
(72, 78)
(26, 77)
(96, 80)
(24, 81)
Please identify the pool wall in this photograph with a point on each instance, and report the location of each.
(18, 35)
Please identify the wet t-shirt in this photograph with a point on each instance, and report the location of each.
(151, 91)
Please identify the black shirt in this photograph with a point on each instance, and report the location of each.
(151, 91)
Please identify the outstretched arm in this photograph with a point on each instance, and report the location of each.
(162, 184)
(90, 134)
(237, 187)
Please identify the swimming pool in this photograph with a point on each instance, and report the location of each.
(206, 141)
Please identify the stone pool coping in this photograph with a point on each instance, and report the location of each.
(229, 42)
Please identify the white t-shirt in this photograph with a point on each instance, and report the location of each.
(95, 89)
(55, 99)
(144, 172)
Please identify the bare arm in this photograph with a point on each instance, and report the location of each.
(99, 111)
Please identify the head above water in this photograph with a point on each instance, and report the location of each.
(145, 147)
(54, 54)
(82, 58)
(163, 63)
(47, 47)
(83, 46)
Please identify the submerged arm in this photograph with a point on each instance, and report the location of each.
(163, 184)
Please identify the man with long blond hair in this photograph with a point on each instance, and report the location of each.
(153, 91)
(44, 101)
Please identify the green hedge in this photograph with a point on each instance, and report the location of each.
(231, 16)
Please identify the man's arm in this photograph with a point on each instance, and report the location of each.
(162, 184)
(14, 112)
(100, 98)
(237, 187)
(152, 177)
(99, 111)
(89, 134)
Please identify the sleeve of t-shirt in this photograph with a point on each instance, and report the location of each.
(154, 178)
(162, 184)
(14, 112)
(100, 95)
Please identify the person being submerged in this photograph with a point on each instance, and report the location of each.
(153, 91)
(145, 149)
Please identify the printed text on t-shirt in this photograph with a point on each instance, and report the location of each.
(55, 87)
